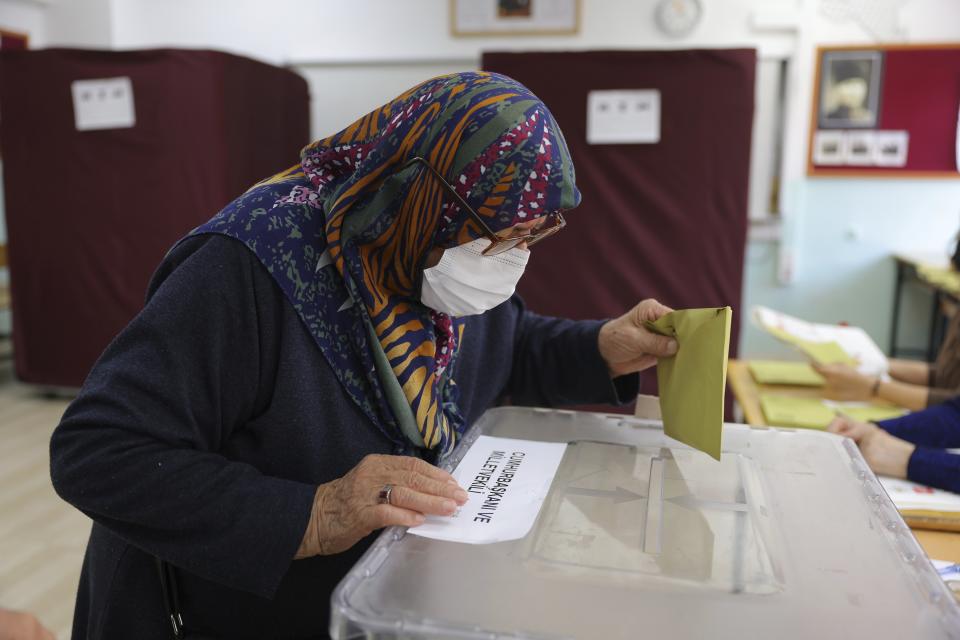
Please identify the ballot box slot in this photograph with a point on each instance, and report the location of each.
(654, 516)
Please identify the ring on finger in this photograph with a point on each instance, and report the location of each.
(385, 492)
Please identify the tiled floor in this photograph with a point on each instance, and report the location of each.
(42, 538)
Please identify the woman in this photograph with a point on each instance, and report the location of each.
(912, 384)
(913, 446)
(305, 354)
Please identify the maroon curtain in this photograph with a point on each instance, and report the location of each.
(665, 220)
(91, 213)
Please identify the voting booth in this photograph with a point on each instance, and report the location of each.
(664, 209)
(789, 535)
(109, 157)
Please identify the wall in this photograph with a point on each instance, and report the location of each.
(80, 23)
(60, 23)
(25, 16)
(843, 244)
(357, 55)
(308, 29)
(838, 233)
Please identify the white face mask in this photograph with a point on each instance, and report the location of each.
(466, 283)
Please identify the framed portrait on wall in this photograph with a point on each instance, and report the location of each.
(514, 17)
(864, 120)
(13, 40)
(849, 91)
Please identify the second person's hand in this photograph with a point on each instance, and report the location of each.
(843, 382)
(885, 454)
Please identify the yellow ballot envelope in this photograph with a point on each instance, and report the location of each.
(871, 413)
(799, 374)
(816, 413)
(793, 411)
(692, 382)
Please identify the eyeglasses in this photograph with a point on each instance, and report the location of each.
(498, 244)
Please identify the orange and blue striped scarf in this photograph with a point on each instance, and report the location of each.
(345, 234)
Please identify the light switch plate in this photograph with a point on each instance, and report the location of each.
(103, 103)
(626, 116)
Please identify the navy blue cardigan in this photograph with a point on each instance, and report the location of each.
(933, 430)
(203, 430)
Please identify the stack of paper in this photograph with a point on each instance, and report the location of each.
(798, 374)
(816, 413)
(867, 412)
(793, 411)
(923, 507)
(824, 343)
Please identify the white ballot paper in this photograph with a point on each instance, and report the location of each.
(506, 482)
(853, 340)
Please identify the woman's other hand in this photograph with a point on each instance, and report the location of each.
(628, 346)
(348, 509)
(885, 454)
(843, 382)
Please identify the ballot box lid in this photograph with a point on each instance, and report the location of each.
(789, 535)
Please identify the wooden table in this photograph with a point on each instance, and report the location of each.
(747, 392)
(942, 545)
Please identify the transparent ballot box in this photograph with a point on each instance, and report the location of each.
(788, 536)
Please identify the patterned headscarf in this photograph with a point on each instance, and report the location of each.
(346, 233)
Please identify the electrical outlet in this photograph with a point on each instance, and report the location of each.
(104, 103)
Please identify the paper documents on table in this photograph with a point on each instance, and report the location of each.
(923, 507)
(799, 374)
(794, 411)
(506, 482)
(692, 383)
(866, 412)
(816, 413)
(824, 343)
(908, 495)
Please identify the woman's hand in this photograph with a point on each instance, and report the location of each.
(885, 454)
(628, 346)
(843, 382)
(349, 508)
